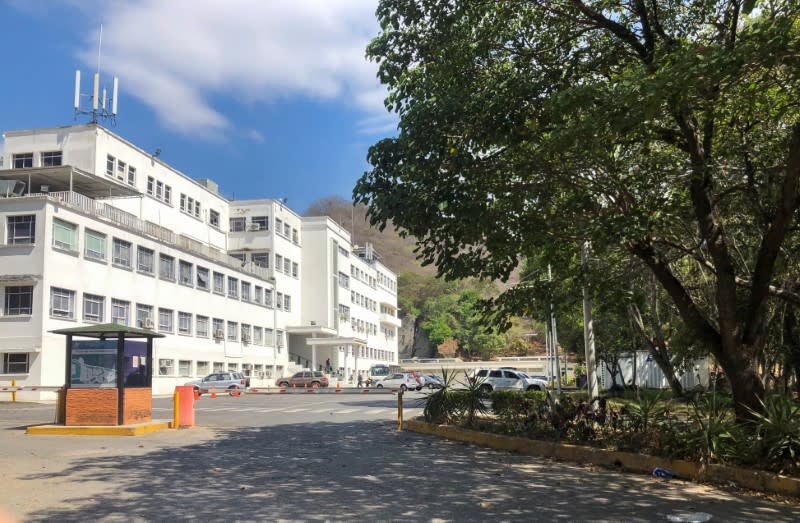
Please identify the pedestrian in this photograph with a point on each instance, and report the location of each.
(328, 365)
(360, 381)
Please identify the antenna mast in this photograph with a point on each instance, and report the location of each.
(99, 101)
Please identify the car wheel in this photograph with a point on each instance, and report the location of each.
(315, 385)
(419, 388)
(534, 387)
(284, 384)
(486, 389)
(378, 386)
(403, 388)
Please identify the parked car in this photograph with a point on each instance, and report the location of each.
(433, 382)
(506, 379)
(219, 380)
(401, 380)
(304, 378)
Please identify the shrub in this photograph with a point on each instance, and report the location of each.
(777, 434)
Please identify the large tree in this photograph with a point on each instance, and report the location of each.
(666, 128)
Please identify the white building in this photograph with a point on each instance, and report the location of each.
(96, 230)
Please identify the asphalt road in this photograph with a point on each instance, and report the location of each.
(321, 457)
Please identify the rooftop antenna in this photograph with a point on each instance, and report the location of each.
(99, 101)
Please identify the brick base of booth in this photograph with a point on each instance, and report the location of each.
(91, 407)
(138, 405)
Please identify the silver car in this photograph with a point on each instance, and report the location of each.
(219, 380)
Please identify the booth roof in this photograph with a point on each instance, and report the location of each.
(109, 330)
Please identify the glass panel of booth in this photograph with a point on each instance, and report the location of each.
(94, 364)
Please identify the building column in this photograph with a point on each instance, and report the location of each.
(313, 354)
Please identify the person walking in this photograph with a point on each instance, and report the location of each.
(360, 381)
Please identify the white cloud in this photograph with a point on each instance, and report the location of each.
(178, 57)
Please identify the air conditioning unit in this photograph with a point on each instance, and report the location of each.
(147, 323)
(218, 335)
(255, 226)
(245, 337)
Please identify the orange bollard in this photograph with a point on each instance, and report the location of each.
(338, 386)
(294, 385)
(196, 395)
(213, 394)
(305, 385)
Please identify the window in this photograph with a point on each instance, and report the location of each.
(110, 161)
(121, 170)
(233, 331)
(122, 253)
(203, 368)
(184, 323)
(186, 273)
(260, 258)
(344, 280)
(213, 218)
(144, 316)
(21, 229)
(269, 338)
(15, 363)
(268, 297)
(260, 223)
(280, 339)
(190, 206)
(65, 235)
(159, 190)
(287, 230)
(166, 317)
(93, 307)
(18, 300)
(184, 368)
(219, 328)
(287, 266)
(166, 367)
(258, 336)
(278, 262)
(233, 367)
(23, 160)
(239, 256)
(168, 194)
(62, 303)
(233, 287)
(51, 159)
(295, 269)
(344, 313)
(145, 261)
(219, 283)
(166, 267)
(245, 291)
(278, 225)
(257, 294)
(201, 327)
(131, 175)
(202, 278)
(246, 333)
(295, 237)
(94, 244)
(287, 303)
(279, 300)
(237, 224)
(151, 183)
(219, 366)
(119, 311)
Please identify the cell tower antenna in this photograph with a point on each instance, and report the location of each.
(98, 99)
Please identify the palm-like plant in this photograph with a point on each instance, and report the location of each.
(441, 404)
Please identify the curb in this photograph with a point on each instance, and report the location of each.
(746, 478)
(96, 430)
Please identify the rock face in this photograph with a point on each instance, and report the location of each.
(412, 341)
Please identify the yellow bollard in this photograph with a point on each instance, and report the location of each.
(14, 393)
(176, 412)
(400, 411)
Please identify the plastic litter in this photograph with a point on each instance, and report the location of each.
(662, 473)
(687, 517)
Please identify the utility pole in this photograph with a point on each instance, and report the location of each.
(554, 335)
(588, 332)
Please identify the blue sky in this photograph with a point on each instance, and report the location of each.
(269, 98)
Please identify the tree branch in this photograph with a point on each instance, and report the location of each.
(619, 30)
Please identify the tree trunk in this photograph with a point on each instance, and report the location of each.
(747, 388)
(658, 350)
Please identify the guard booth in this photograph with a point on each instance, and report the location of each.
(108, 375)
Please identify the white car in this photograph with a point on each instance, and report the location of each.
(402, 380)
(506, 379)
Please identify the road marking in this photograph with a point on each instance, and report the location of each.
(346, 411)
(295, 410)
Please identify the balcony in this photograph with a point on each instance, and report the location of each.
(390, 319)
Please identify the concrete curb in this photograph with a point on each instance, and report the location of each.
(746, 478)
(96, 430)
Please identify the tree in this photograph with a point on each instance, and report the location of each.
(669, 130)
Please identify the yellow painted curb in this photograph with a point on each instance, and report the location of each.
(752, 479)
(96, 430)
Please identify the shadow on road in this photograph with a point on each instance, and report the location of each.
(367, 471)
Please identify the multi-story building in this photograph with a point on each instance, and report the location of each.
(96, 230)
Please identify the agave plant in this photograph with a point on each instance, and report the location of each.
(441, 405)
(777, 431)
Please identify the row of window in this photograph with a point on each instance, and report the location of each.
(46, 159)
(364, 327)
(387, 282)
(159, 190)
(388, 332)
(65, 237)
(362, 276)
(287, 231)
(200, 369)
(62, 306)
(120, 170)
(363, 301)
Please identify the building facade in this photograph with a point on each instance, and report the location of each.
(96, 230)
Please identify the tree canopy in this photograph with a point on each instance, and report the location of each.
(667, 130)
